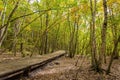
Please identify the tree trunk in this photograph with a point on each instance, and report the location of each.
(3, 16)
(46, 36)
(5, 28)
(114, 33)
(102, 57)
(112, 55)
(92, 36)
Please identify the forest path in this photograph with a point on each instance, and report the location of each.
(11, 66)
(64, 69)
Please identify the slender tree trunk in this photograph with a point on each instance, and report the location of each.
(3, 16)
(112, 56)
(114, 32)
(2, 37)
(72, 45)
(102, 57)
(76, 39)
(22, 46)
(70, 42)
(92, 36)
(46, 36)
(16, 30)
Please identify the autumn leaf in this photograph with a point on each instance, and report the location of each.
(1, 6)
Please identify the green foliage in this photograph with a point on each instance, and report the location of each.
(56, 21)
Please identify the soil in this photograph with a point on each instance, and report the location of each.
(8, 56)
(66, 69)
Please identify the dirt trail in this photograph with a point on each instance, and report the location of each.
(58, 66)
(65, 69)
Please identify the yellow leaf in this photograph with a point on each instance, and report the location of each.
(111, 2)
(1, 6)
(28, 28)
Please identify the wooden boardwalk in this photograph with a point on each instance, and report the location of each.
(20, 66)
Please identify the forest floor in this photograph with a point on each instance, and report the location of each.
(66, 69)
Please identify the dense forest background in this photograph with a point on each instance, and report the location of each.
(87, 27)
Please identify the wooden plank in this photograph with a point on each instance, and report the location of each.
(23, 65)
